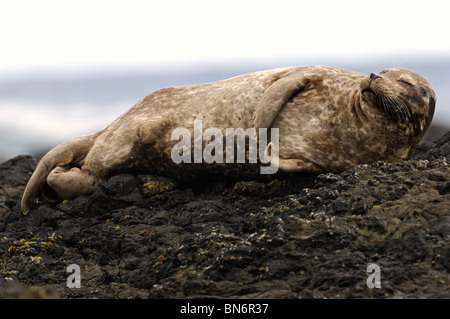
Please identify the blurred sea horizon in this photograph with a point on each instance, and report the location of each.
(40, 109)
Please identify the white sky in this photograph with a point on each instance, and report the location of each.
(42, 33)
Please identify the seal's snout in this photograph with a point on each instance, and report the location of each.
(372, 78)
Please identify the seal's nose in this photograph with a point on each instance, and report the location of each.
(373, 76)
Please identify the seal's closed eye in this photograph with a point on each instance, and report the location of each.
(406, 83)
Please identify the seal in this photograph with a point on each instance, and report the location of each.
(329, 120)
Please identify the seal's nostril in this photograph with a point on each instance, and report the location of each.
(373, 76)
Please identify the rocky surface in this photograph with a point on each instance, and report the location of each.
(302, 237)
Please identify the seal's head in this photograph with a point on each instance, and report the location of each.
(403, 96)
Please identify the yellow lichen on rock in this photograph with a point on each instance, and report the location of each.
(153, 185)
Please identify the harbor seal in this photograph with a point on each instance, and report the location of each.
(329, 120)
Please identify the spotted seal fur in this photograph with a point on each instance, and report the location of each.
(329, 119)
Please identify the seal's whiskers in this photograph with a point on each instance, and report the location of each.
(394, 106)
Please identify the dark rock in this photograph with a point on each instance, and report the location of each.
(146, 236)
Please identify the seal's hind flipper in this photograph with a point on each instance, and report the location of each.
(73, 151)
(71, 182)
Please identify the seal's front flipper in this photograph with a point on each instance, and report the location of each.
(294, 165)
(275, 97)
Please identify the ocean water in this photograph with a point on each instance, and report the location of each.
(41, 109)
